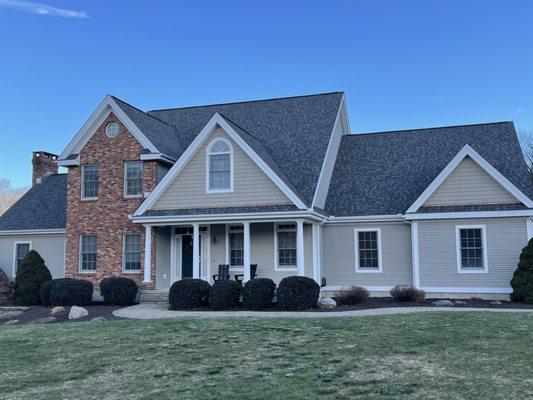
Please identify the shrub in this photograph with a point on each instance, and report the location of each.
(407, 293)
(31, 274)
(225, 295)
(522, 281)
(353, 295)
(118, 291)
(257, 293)
(188, 293)
(44, 292)
(71, 292)
(6, 288)
(297, 293)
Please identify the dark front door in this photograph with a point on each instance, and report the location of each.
(186, 256)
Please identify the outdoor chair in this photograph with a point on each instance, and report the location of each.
(253, 273)
(223, 273)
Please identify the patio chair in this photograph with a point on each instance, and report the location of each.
(223, 273)
(253, 273)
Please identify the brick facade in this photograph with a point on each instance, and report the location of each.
(106, 217)
(43, 163)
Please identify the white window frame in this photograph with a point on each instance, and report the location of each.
(83, 271)
(83, 181)
(131, 271)
(15, 243)
(276, 255)
(207, 165)
(460, 268)
(132, 196)
(228, 258)
(112, 123)
(358, 268)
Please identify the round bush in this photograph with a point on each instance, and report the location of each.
(353, 295)
(225, 295)
(188, 293)
(44, 292)
(407, 293)
(257, 293)
(522, 282)
(71, 292)
(32, 273)
(118, 291)
(297, 293)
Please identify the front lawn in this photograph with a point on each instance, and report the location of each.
(415, 356)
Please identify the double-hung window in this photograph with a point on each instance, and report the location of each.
(471, 243)
(235, 240)
(368, 250)
(21, 250)
(285, 244)
(88, 253)
(219, 166)
(132, 253)
(133, 179)
(89, 182)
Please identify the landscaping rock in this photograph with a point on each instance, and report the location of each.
(77, 312)
(44, 320)
(496, 302)
(97, 319)
(9, 314)
(443, 303)
(11, 322)
(57, 310)
(326, 303)
(460, 302)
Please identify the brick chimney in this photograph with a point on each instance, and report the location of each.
(44, 164)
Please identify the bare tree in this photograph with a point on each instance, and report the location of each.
(9, 195)
(526, 141)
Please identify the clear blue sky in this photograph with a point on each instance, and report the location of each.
(402, 64)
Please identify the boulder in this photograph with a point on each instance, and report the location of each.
(97, 319)
(442, 303)
(77, 312)
(326, 303)
(496, 302)
(57, 310)
(460, 302)
(11, 322)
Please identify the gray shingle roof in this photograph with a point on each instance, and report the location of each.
(44, 206)
(384, 173)
(220, 210)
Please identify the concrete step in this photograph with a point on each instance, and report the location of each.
(153, 296)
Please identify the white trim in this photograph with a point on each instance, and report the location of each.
(69, 163)
(229, 218)
(124, 270)
(125, 182)
(316, 252)
(366, 218)
(80, 270)
(276, 258)
(147, 275)
(415, 255)
(15, 243)
(458, 289)
(487, 167)
(246, 246)
(175, 260)
(371, 288)
(460, 268)
(470, 214)
(236, 268)
(196, 251)
(216, 120)
(300, 248)
(157, 156)
(83, 180)
(208, 155)
(34, 232)
(358, 269)
(529, 227)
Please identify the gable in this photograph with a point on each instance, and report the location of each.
(468, 183)
(251, 185)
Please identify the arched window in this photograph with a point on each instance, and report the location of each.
(219, 166)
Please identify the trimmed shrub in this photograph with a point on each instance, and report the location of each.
(354, 295)
(188, 293)
(257, 293)
(407, 293)
(225, 295)
(71, 292)
(118, 291)
(32, 273)
(44, 292)
(6, 288)
(297, 293)
(522, 281)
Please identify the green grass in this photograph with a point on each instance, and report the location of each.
(416, 356)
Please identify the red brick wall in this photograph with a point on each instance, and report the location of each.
(107, 217)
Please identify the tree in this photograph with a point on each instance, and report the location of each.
(9, 195)
(32, 273)
(526, 141)
(522, 282)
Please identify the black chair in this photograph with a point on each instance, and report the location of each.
(223, 273)
(253, 273)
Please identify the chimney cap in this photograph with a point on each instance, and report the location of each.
(45, 154)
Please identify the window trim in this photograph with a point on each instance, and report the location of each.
(107, 129)
(238, 268)
(460, 268)
(125, 181)
(15, 243)
(276, 255)
(80, 270)
(131, 271)
(358, 268)
(207, 165)
(83, 181)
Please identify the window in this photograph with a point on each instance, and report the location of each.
(133, 179)
(235, 246)
(219, 166)
(21, 249)
(87, 253)
(131, 259)
(368, 250)
(471, 248)
(89, 182)
(111, 130)
(285, 245)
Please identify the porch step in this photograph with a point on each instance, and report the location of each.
(153, 296)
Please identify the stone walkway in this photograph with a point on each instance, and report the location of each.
(160, 310)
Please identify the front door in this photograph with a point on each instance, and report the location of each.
(183, 257)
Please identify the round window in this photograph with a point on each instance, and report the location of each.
(111, 130)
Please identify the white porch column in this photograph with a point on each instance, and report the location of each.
(414, 251)
(529, 229)
(246, 240)
(300, 262)
(196, 251)
(147, 254)
(316, 253)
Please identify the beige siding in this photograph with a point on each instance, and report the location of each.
(252, 186)
(162, 258)
(50, 247)
(438, 258)
(339, 255)
(469, 184)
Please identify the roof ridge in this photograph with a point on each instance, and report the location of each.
(244, 101)
(240, 127)
(144, 112)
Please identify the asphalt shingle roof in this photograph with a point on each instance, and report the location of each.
(221, 210)
(44, 206)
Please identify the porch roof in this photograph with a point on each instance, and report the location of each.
(220, 210)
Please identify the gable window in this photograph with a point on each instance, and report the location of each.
(219, 166)
(132, 253)
(368, 250)
(111, 130)
(88, 253)
(133, 179)
(285, 245)
(471, 243)
(21, 250)
(89, 182)
(235, 246)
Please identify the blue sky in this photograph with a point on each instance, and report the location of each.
(402, 64)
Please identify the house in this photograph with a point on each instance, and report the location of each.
(170, 194)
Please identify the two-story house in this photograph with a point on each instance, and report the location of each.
(283, 184)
